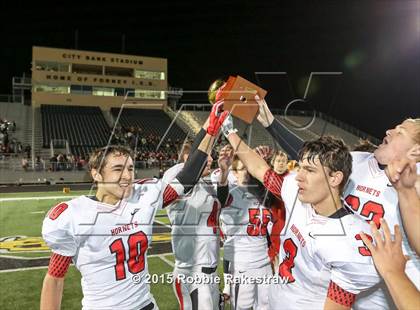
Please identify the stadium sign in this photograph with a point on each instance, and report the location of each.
(97, 58)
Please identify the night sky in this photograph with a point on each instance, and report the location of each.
(375, 44)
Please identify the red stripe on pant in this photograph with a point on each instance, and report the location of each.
(179, 293)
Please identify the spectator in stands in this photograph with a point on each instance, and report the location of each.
(83, 162)
(144, 143)
(27, 150)
(53, 162)
(70, 162)
(39, 164)
(279, 162)
(60, 162)
(25, 163)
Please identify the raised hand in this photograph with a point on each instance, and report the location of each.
(265, 117)
(224, 161)
(216, 118)
(387, 253)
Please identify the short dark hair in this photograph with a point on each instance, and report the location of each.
(332, 153)
(98, 158)
(364, 145)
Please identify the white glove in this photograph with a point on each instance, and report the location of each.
(227, 126)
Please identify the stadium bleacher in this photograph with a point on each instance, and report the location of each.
(85, 128)
(154, 122)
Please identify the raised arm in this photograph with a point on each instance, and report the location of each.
(289, 142)
(191, 172)
(200, 136)
(403, 176)
(224, 162)
(256, 166)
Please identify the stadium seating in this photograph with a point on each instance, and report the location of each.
(257, 135)
(84, 128)
(154, 122)
(316, 129)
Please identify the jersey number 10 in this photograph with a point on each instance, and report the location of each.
(137, 246)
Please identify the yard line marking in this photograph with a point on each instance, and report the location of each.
(166, 260)
(37, 212)
(36, 198)
(162, 223)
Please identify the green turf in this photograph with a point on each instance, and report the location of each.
(28, 254)
(162, 292)
(17, 217)
(43, 194)
(170, 257)
(22, 289)
(163, 220)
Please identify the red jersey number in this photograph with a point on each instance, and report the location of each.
(137, 246)
(285, 268)
(363, 250)
(57, 210)
(257, 222)
(371, 210)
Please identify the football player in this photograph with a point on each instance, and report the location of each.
(107, 236)
(324, 261)
(195, 237)
(243, 221)
(370, 192)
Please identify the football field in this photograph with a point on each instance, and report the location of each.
(24, 256)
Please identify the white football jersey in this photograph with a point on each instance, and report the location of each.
(243, 222)
(370, 195)
(316, 250)
(108, 245)
(194, 221)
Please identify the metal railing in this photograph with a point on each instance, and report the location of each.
(349, 128)
(11, 98)
(21, 80)
(59, 144)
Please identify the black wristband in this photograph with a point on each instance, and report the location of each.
(192, 170)
(222, 194)
(288, 141)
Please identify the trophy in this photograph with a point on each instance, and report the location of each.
(239, 98)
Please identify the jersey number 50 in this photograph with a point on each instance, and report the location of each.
(137, 246)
